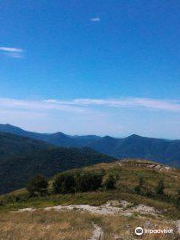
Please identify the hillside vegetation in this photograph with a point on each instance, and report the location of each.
(59, 139)
(134, 146)
(114, 210)
(23, 158)
(127, 174)
(13, 145)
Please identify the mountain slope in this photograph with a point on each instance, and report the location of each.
(114, 213)
(22, 158)
(164, 151)
(58, 139)
(12, 145)
(128, 175)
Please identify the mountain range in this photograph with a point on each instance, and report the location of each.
(134, 146)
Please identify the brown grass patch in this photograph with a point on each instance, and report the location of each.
(74, 225)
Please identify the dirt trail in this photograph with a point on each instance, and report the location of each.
(110, 208)
(97, 233)
(119, 208)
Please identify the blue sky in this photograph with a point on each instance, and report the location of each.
(102, 67)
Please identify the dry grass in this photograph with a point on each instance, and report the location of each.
(73, 225)
(43, 225)
(128, 172)
(76, 225)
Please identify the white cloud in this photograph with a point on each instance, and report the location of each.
(95, 19)
(12, 52)
(80, 105)
(8, 49)
(37, 105)
(50, 116)
(143, 103)
(95, 116)
(87, 107)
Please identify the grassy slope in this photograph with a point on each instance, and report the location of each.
(129, 173)
(48, 225)
(73, 225)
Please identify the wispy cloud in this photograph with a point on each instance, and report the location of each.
(89, 105)
(142, 103)
(8, 49)
(94, 116)
(12, 52)
(95, 19)
(37, 105)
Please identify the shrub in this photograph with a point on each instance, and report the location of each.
(138, 189)
(88, 181)
(64, 183)
(77, 182)
(38, 186)
(160, 188)
(110, 181)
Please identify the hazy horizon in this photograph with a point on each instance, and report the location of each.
(92, 134)
(91, 67)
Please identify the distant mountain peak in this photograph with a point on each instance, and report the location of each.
(133, 146)
(59, 134)
(134, 136)
(108, 137)
(9, 127)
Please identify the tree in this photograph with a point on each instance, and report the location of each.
(160, 188)
(88, 181)
(38, 186)
(80, 181)
(64, 183)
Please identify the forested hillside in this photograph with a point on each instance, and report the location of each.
(22, 158)
(134, 146)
